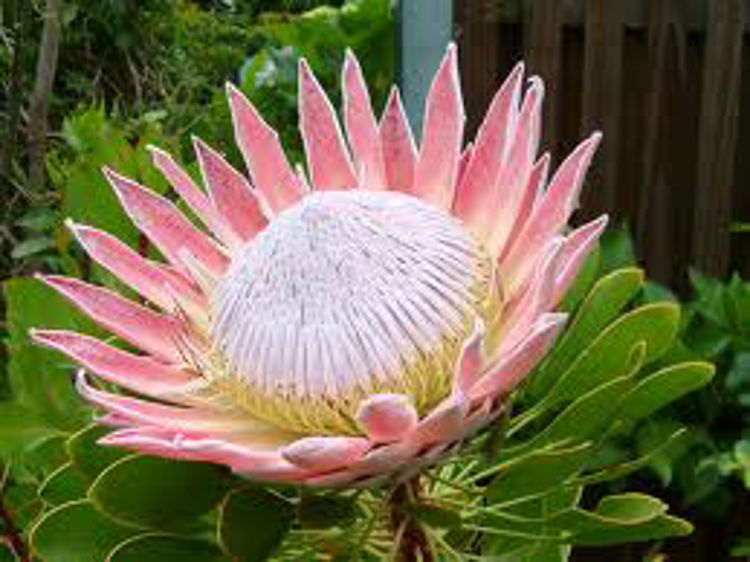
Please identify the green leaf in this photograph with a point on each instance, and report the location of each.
(153, 547)
(605, 301)
(609, 355)
(323, 512)
(536, 509)
(536, 473)
(584, 280)
(661, 449)
(617, 249)
(662, 387)
(631, 507)
(89, 458)
(32, 246)
(40, 378)
(157, 493)
(75, 531)
(660, 527)
(630, 517)
(45, 456)
(587, 418)
(21, 429)
(253, 523)
(64, 485)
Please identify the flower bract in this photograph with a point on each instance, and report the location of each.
(348, 321)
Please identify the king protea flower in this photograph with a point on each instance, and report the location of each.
(345, 324)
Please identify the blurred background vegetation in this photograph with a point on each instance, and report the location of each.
(97, 81)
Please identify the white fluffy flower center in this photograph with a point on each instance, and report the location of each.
(344, 293)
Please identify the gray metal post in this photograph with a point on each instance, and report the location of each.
(423, 33)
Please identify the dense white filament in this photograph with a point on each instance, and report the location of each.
(344, 290)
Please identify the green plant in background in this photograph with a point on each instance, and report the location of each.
(707, 470)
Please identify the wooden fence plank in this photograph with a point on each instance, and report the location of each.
(542, 46)
(722, 73)
(655, 219)
(602, 96)
(479, 41)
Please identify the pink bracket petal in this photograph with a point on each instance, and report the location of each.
(137, 373)
(327, 156)
(263, 154)
(471, 359)
(146, 277)
(502, 209)
(165, 225)
(193, 195)
(444, 424)
(442, 134)
(490, 149)
(397, 141)
(148, 330)
(552, 212)
(576, 249)
(326, 453)
(387, 417)
(361, 127)
(509, 369)
(238, 203)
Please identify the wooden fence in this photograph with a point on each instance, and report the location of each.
(664, 80)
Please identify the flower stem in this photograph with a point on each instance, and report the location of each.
(413, 544)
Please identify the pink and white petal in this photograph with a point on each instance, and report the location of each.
(509, 369)
(397, 141)
(532, 194)
(490, 149)
(148, 330)
(264, 157)
(323, 454)
(193, 195)
(471, 359)
(241, 207)
(576, 249)
(387, 417)
(445, 423)
(186, 420)
(138, 373)
(385, 458)
(327, 156)
(533, 300)
(146, 277)
(257, 463)
(463, 162)
(552, 212)
(442, 133)
(165, 225)
(514, 176)
(361, 127)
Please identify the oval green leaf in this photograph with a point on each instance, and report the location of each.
(157, 493)
(609, 355)
(660, 388)
(89, 458)
(536, 473)
(253, 523)
(76, 531)
(64, 485)
(155, 547)
(602, 305)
